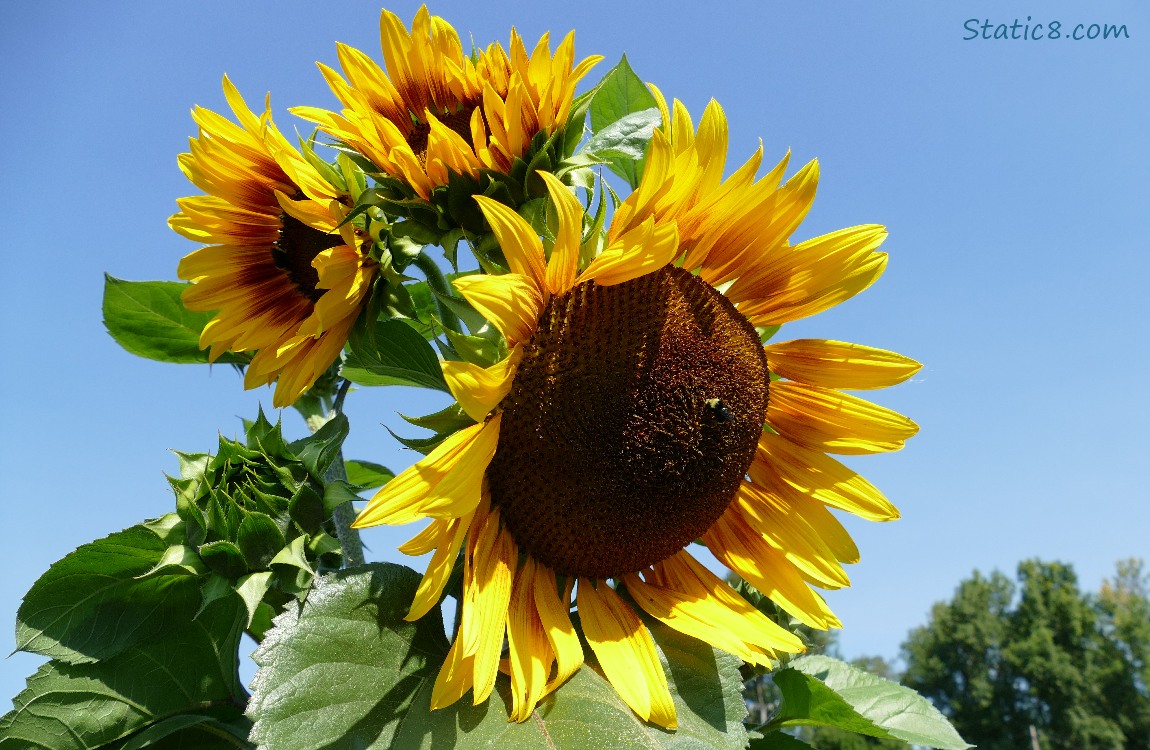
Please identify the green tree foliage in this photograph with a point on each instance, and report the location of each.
(1001, 658)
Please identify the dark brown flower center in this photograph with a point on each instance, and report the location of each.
(296, 248)
(458, 121)
(633, 417)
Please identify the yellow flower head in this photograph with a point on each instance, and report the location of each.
(637, 412)
(287, 280)
(437, 111)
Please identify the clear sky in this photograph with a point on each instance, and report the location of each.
(1012, 174)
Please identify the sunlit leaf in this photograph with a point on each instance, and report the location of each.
(148, 319)
(821, 691)
(82, 706)
(347, 665)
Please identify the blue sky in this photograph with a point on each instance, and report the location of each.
(1012, 175)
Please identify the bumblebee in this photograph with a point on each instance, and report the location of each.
(721, 411)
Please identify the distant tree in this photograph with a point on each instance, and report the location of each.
(1040, 661)
(957, 660)
(1123, 606)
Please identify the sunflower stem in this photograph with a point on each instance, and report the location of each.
(344, 514)
(438, 283)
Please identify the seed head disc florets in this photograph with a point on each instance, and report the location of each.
(612, 455)
(296, 248)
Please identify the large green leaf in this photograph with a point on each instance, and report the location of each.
(148, 319)
(390, 352)
(621, 93)
(347, 666)
(821, 691)
(93, 604)
(191, 670)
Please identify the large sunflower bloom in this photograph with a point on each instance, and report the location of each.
(436, 111)
(287, 279)
(635, 402)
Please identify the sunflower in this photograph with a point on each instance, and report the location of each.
(287, 279)
(638, 411)
(437, 111)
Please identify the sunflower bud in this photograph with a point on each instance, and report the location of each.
(258, 506)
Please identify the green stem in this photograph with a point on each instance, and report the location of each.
(344, 514)
(438, 283)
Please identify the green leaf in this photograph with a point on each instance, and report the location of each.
(368, 475)
(93, 604)
(707, 688)
(347, 665)
(478, 350)
(148, 319)
(215, 587)
(627, 137)
(821, 691)
(82, 706)
(188, 731)
(168, 528)
(392, 353)
(621, 93)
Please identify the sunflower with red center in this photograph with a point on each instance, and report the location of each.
(286, 278)
(637, 412)
(437, 111)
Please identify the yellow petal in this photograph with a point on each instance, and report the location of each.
(480, 389)
(813, 276)
(564, 260)
(626, 653)
(786, 500)
(444, 484)
(428, 539)
(439, 569)
(787, 531)
(454, 678)
(763, 228)
(529, 651)
(818, 476)
(520, 244)
(555, 617)
(694, 601)
(744, 551)
(838, 364)
(493, 561)
(835, 422)
(512, 302)
(644, 249)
